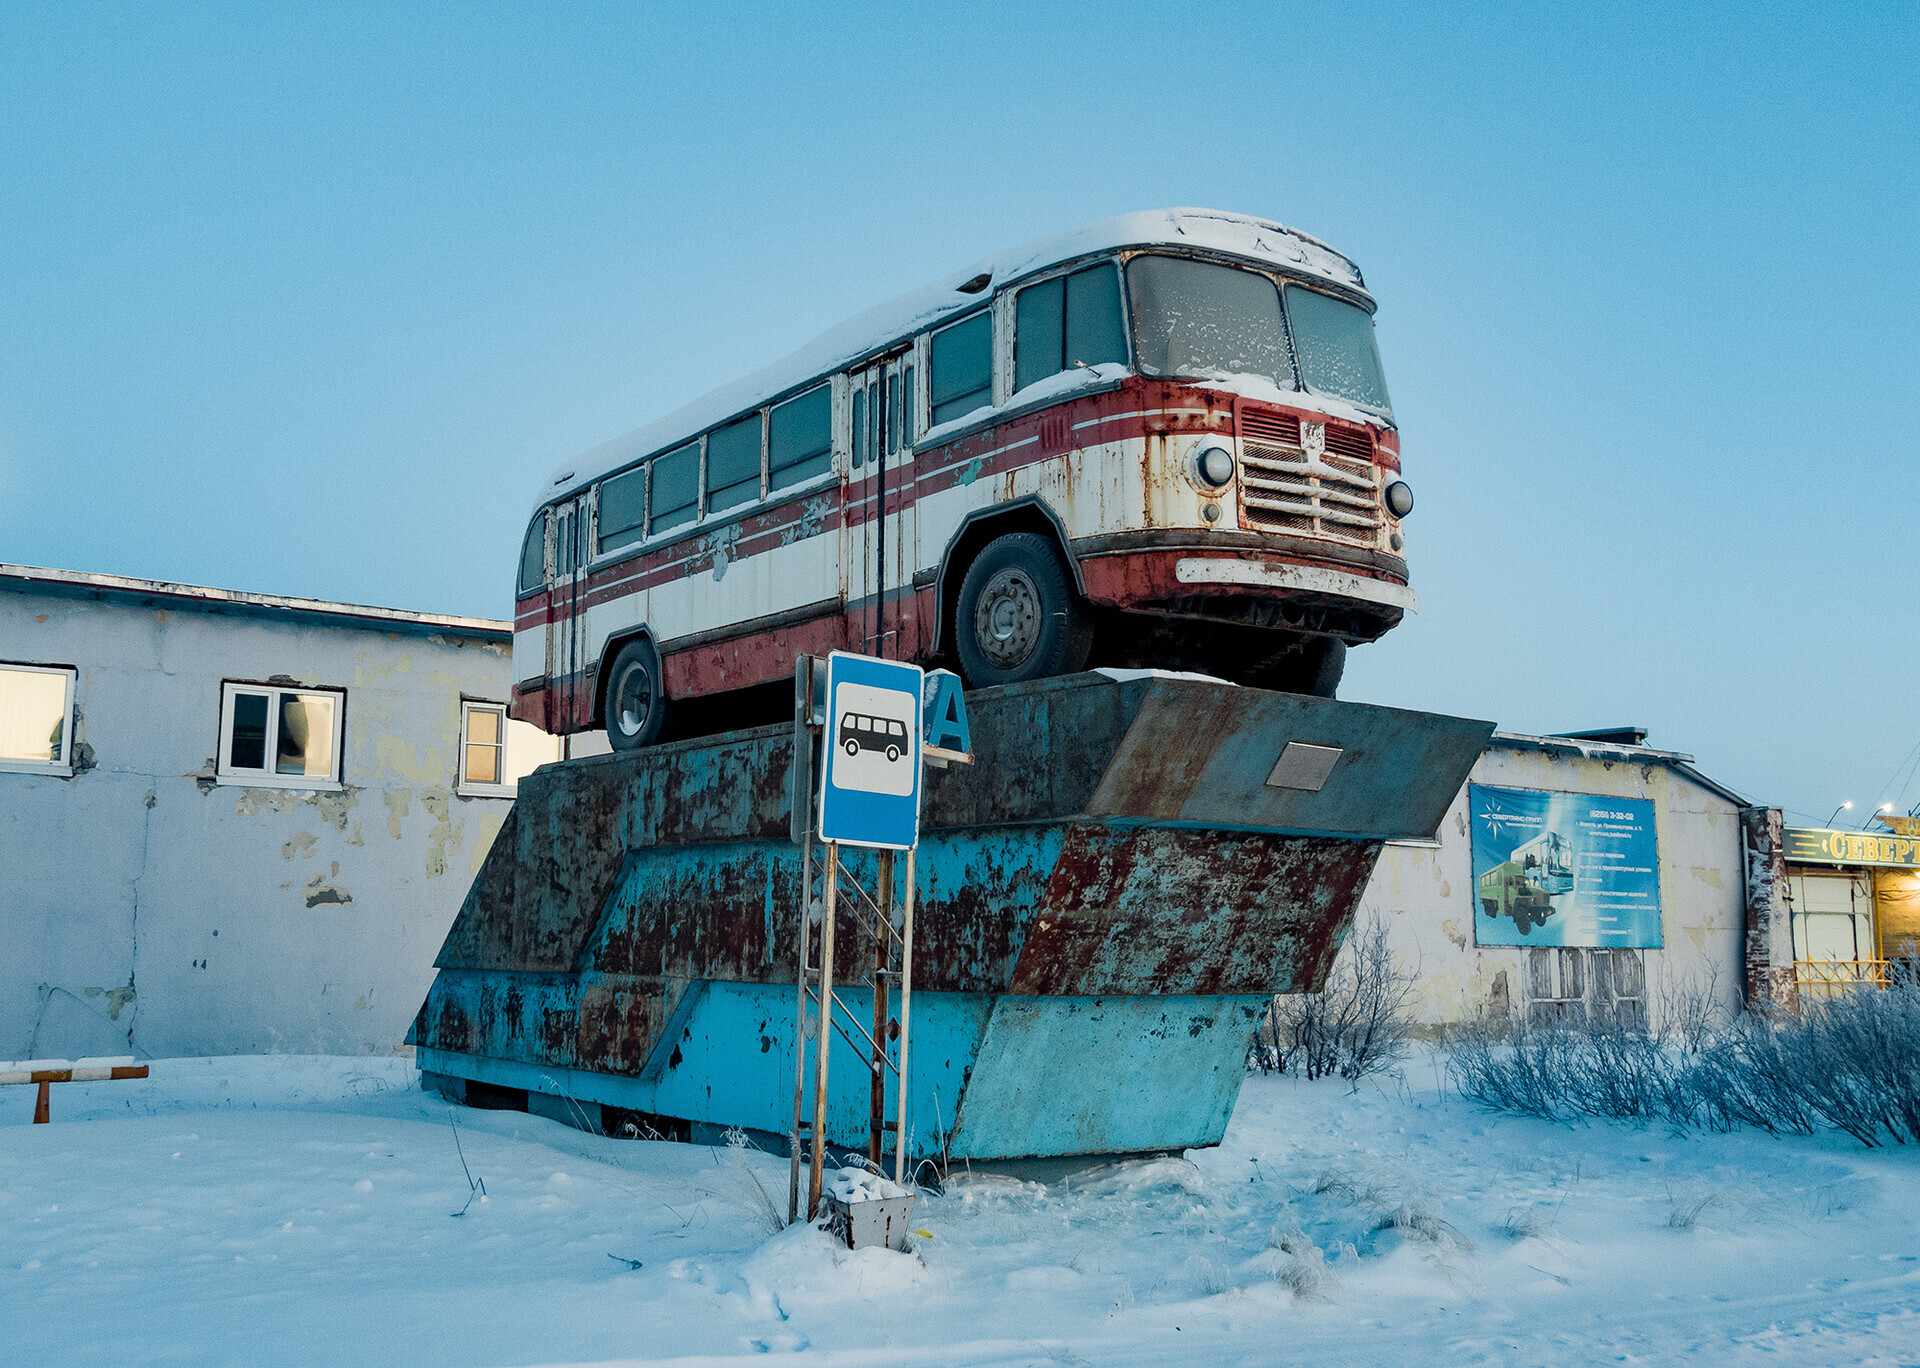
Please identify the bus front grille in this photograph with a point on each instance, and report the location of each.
(1282, 489)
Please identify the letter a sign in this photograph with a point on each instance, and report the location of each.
(870, 781)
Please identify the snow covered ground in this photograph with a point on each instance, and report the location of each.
(295, 1210)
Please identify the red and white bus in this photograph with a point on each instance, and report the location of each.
(1163, 439)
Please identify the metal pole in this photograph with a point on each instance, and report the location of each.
(800, 1027)
(803, 800)
(883, 925)
(906, 1001)
(824, 1048)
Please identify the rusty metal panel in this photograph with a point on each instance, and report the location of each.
(1164, 911)
(1201, 754)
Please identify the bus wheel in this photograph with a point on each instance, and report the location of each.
(635, 706)
(1018, 616)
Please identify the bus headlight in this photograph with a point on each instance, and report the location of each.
(1399, 498)
(1213, 465)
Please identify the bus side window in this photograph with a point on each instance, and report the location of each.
(1068, 321)
(676, 488)
(961, 368)
(906, 407)
(533, 554)
(800, 437)
(733, 464)
(563, 544)
(893, 414)
(623, 510)
(859, 425)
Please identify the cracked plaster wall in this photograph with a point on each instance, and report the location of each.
(146, 907)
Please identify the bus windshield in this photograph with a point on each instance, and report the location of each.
(1203, 319)
(1337, 351)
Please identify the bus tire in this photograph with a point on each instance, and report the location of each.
(1018, 616)
(636, 707)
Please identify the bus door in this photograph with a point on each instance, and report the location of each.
(570, 700)
(880, 514)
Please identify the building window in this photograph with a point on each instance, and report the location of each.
(36, 719)
(497, 752)
(280, 738)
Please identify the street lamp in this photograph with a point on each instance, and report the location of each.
(1884, 807)
(1844, 807)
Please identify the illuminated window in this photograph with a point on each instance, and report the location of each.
(36, 719)
(497, 752)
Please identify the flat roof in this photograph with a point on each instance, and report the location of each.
(126, 588)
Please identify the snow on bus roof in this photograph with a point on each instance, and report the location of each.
(1211, 229)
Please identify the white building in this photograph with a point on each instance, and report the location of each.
(235, 823)
(1431, 899)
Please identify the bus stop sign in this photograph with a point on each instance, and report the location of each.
(870, 783)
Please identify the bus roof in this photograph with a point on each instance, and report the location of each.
(1213, 230)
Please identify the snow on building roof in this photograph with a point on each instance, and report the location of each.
(84, 584)
(1261, 240)
(1677, 761)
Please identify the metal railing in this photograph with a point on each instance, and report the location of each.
(1831, 978)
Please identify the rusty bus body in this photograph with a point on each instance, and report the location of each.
(882, 481)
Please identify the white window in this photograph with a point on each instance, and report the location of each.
(280, 738)
(36, 719)
(497, 752)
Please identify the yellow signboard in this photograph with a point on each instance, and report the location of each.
(1814, 845)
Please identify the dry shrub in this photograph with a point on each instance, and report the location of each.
(1359, 1024)
(1851, 1063)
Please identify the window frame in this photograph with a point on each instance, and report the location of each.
(769, 489)
(1060, 272)
(990, 310)
(468, 788)
(708, 513)
(1287, 284)
(63, 767)
(543, 517)
(1279, 280)
(226, 775)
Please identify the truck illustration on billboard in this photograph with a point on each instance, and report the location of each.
(1523, 886)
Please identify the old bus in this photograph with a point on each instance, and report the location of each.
(1163, 439)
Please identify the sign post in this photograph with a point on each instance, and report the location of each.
(869, 796)
(877, 723)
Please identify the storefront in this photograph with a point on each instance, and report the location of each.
(1854, 903)
(1827, 910)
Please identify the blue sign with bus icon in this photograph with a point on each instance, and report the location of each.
(870, 783)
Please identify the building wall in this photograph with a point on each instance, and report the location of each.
(145, 906)
(1424, 894)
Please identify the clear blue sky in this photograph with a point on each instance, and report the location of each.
(308, 299)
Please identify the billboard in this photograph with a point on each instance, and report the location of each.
(1564, 869)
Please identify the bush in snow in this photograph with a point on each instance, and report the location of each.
(1359, 1024)
(1850, 1062)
